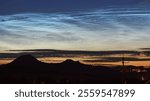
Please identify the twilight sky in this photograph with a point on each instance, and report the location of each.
(74, 24)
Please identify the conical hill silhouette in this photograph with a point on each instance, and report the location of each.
(25, 60)
(27, 69)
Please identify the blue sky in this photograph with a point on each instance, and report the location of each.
(75, 28)
(36, 6)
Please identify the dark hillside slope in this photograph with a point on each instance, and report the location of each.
(27, 69)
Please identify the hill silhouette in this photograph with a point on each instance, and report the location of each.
(25, 60)
(27, 69)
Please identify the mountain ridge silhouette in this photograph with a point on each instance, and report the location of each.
(27, 69)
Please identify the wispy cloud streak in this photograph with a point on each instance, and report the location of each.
(94, 30)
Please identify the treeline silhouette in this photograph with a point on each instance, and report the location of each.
(28, 70)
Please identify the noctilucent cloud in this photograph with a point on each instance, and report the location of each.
(99, 29)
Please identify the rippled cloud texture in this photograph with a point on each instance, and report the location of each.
(107, 29)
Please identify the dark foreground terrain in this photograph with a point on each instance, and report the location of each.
(27, 69)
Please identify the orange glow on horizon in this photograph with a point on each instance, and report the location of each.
(5, 61)
(61, 59)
